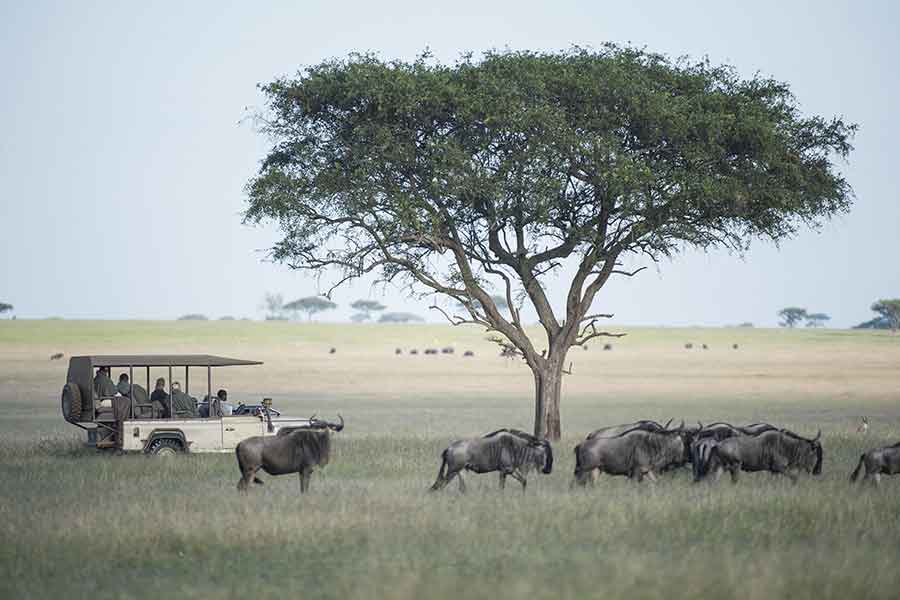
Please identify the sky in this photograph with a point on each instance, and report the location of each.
(126, 141)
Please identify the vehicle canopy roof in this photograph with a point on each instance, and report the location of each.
(165, 360)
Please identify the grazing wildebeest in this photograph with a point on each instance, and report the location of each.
(634, 453)
(468, 353)
(780, 451)
(398, 351)
(688, 346)
(701, 450)
(431, 351)
(294, 450)
(447, 350)
(878, 461)
(705, 347)
(56, 356)
(332, 351)
(607, 346)
(509, 451)
(734, 346)
(413, 351)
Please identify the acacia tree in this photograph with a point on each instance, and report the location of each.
(816, 319)
(889, 311)
(310, 305)
(791, 315)
(365, 308)
(489, 173)
(4, 307)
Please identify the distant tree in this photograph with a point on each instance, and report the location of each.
(310, 305)
(365, 309)
(890, 311)
(816, 319)
(876, 323)
(746, 324)
(400, 317)
(273, 304)
(193, 317)
(498, 170)
(791, 316)
(4, 307)
(226, 318)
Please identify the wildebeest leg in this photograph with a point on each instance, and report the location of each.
(462, 484)
(735, 472)
(637, 474)
(518, 477)
(595, 475)
(247, 475)
(257, 480)
(876, 478)
(502, 480)
(305, 475)
(651, 476)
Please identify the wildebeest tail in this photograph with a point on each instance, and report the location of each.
(442, 471)
(855, 474)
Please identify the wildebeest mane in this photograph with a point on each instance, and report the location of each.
(314, 445)
(518, 433)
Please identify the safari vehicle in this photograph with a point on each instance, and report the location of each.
(133, 423)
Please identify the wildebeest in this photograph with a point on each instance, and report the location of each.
(779, 451)
(332, 351)
(447, 350)
(705, 347)
(468, 353)
(634, 453)
(413, 351)
(56, 356)
(688, 346)
(431, 351)
(614, 430)
(510, 451)
(607, 346)
(398, 351)
(878, 462)
(295, 450)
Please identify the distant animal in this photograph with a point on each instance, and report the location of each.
(734, 346)
(431, 351)
(468, 353)
(413, 351)
(332, 351)
(688, 346)
(705, 347)
(607, 346)
(863, 425)
(447, 350)
(56, 356)
(779, 451)
(878, 462)
(636, 454)
(510, 452)
(398, 351)
(295, 450)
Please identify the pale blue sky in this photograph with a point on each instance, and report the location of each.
(122, 155)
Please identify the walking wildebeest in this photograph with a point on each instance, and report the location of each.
(614, 430)
(634, 453)
(878, 461)
(509, 451)
(775, 451)
(294, 450)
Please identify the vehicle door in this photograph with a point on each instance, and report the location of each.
(237, 428)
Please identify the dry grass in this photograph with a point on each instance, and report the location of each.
(74, 523)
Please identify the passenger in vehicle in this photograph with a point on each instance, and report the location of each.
(124, 386)
(182, 404)
(226, 409)
(160, 398)
(103, 384)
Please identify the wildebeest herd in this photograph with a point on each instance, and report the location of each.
(636, 450)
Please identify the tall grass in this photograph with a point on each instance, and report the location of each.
(75, 523)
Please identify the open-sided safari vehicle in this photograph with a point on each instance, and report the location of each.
(126, 417)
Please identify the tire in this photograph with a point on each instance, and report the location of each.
(165, 447)
(71, 402)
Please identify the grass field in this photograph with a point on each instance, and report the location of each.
(74, 523)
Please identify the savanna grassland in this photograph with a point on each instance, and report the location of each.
(75, 523)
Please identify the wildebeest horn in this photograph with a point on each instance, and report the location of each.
(818, 435)
(666, 426)
(700, 424)
(337, 427)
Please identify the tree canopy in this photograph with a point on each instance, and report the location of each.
(311, 305)
(816, 319)
(889, 310)
(483, 176)
(4, 307)
(791, 315)
(400, 317)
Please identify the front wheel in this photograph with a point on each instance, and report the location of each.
(165, 447)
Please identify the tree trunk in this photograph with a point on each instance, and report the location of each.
(547, 388)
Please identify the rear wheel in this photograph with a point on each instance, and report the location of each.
(71, 402)
(165, 447)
